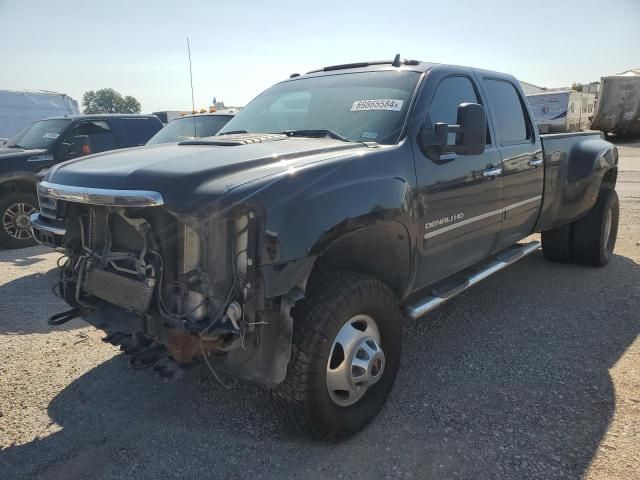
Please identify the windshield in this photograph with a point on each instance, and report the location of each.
(39, 134)
(369, 106)
(187, 128)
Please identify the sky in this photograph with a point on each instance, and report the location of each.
(239, 48)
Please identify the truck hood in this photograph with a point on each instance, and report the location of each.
(178, 171)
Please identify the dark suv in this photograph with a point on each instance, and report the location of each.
(30, 153)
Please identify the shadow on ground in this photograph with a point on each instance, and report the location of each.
(510, 380)
(28, 301)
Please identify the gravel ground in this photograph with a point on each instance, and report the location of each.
(534, 373)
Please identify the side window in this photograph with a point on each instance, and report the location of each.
(100, 135)
(450, 93)
(139, 130)
(510, 115)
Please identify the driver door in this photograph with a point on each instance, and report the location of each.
(459, 201)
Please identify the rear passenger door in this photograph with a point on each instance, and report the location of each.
(522, 160)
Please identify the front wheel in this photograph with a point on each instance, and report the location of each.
(15, 209)
(345, 355)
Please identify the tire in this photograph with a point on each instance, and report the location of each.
(15, 208)
(556, 244)
(335, 304)
(594, 235)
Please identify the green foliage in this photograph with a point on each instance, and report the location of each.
(577, 87)
(107, 100)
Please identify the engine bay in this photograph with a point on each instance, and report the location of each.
(146, 265)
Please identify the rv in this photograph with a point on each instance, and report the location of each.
(21, 108)
(562, 111)
(618, 108)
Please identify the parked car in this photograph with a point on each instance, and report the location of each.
(562, 111)
(192, 126)
(31, 152)
(290, 248)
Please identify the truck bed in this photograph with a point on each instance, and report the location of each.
(570, 186)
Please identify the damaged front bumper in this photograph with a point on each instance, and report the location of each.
(181, 287)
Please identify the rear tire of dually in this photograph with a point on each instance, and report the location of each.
(594, 235)
(556, 244)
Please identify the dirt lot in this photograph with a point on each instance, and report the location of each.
(534, 373)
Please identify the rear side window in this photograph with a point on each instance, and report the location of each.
(139, 130)
(511, 121)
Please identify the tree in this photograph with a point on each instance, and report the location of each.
(577, 87)
(107, 100)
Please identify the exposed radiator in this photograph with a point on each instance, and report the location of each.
(128, 293)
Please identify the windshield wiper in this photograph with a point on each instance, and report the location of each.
(16, 146)
(316, 133)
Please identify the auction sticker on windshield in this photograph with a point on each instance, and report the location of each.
(377, 104)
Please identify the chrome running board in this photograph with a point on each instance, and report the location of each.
(503, 260)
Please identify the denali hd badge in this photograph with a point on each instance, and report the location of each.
(444, 221)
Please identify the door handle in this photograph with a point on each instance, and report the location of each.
(535, 162)
(492, 172)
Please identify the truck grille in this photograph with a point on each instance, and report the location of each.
(48, 206)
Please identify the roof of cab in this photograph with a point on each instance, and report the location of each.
(368, 66)
(396, 64)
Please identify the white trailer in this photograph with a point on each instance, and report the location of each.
(562, 111)
(619, 104)
(21, 108)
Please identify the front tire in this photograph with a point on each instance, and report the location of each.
(15, 209)
(345, 355)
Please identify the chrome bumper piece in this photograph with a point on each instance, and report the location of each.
(45, 232)
(100, 196)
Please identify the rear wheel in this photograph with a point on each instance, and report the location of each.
(594, 235)
(15, 209)
(556, 244)
(345, 355)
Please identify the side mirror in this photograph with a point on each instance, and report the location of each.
(470, 133)
(81, 145)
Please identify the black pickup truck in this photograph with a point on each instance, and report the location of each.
(26, 157)
(290, 248)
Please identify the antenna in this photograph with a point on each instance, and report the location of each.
(193, 103)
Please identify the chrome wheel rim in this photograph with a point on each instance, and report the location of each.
(608, 222)
(356, 360)
(15, 220)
